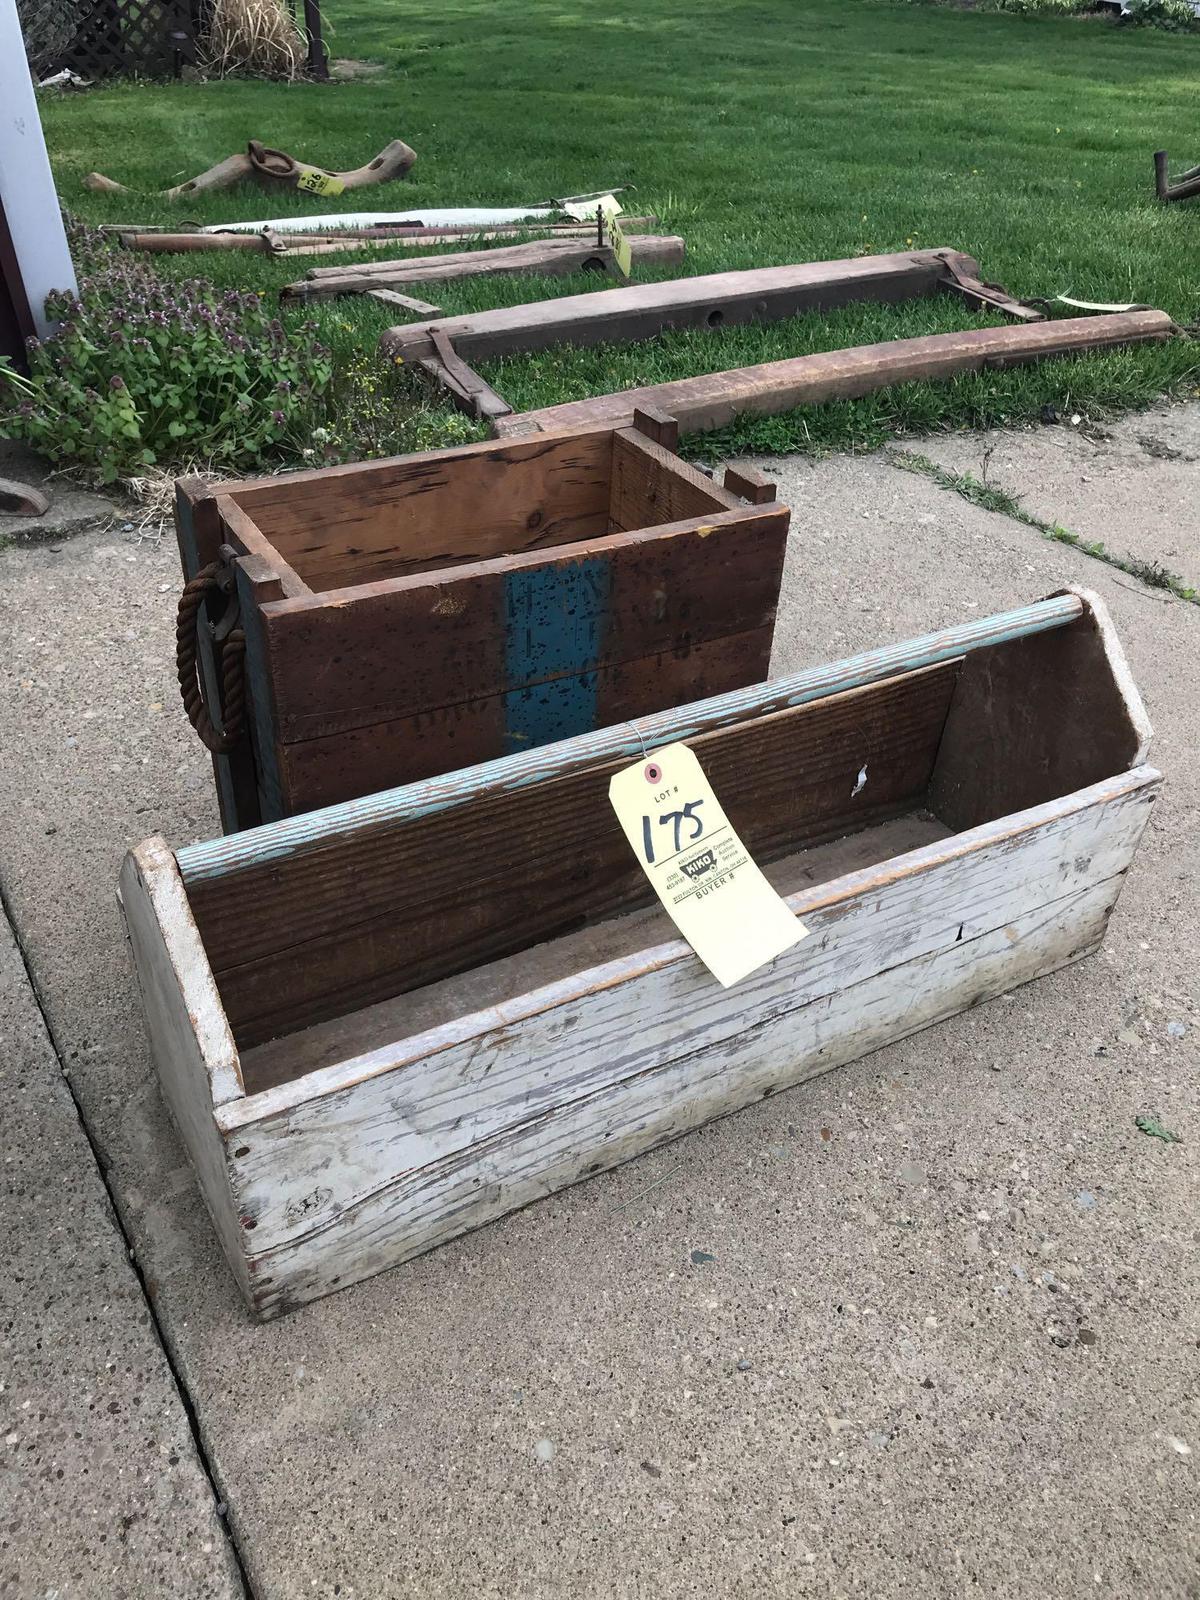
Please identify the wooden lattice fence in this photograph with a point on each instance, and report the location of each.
(134, 38)
(151, 38)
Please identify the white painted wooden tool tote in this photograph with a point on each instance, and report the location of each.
(383, 1024)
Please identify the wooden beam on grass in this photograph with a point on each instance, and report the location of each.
(719, 300)
(541, 257)
(714, 400)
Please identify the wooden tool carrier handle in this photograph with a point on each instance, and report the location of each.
(229, 648)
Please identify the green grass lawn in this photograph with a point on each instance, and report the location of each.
(764, 131)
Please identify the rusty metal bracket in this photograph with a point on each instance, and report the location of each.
(992, 295)
(469, 392)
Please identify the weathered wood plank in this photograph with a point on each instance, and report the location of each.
(320, 936)
(1004, 750)
(714, 400)
(541, 258)
(320, 771)
(464, 1079)
(539, 615)
(722, 299)
(190, 1039)
(590, 1093)
(354, 525)
(433, 263)
(287, 841)
(406, 302)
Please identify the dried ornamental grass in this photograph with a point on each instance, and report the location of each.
(256, 36)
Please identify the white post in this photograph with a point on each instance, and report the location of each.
(26, 183)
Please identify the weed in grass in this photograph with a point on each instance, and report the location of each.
(990, 497)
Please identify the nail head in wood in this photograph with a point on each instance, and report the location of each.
(750, 484)
(657, 425)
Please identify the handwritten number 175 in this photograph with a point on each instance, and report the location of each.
(675, 820)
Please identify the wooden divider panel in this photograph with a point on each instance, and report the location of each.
(392, 907)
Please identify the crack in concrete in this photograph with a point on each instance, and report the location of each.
(990, 497)
(207, 1465)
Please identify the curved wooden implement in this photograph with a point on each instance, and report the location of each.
(272, 166)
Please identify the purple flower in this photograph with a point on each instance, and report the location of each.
(116, 381)
(278, 418)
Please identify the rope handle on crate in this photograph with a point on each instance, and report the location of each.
(231, 655)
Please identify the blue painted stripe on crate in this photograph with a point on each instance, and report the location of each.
(555, 623)
(274, 842)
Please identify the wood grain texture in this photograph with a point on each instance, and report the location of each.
(651, 485)
(1005, 749)
(440, 639)
(723, 299)
(714, 400)
(353, 527)
(558, 1086)
(321, 771)
(434, 1205)
(240, 532)
(306, 940)
(190, 1040)
(382, 1031)
(299, 836)
(542, 257)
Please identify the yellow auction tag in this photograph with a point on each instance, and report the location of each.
(698, 867)
(619, 245)
(314, 181)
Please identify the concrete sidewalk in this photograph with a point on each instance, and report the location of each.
(951, 1348)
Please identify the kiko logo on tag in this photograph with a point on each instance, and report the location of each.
(699, 865)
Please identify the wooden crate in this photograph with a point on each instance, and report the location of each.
(388, 1023)
(403, 618)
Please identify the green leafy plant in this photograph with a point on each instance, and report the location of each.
(1176, 16)
(144, 371)
(373, 410)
